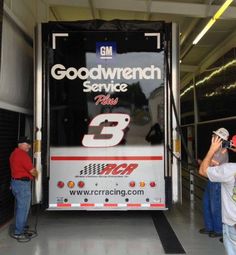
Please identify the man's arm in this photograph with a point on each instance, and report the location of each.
(233, 149)
(215, 145)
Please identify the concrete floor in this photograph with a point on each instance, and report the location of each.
(110, 233)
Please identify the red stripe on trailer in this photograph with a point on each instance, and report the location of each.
(87, 205)
(63, 205)
(107, 158)
(134, 205)
(110, 205)
(157, 205)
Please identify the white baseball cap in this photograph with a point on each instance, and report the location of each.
(222, 133)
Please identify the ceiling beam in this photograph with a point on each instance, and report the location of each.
(54, 13)
(188, 68)
(219, 51)
(188, 30)
(163, 7)
(92, 8)
(148, 9)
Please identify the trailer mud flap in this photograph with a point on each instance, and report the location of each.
(168, 191)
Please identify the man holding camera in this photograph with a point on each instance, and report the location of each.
(212, 193)
(226, 175)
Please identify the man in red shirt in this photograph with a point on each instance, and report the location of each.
(22, 173)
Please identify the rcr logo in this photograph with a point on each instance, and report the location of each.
(115, 169)
(59, 72)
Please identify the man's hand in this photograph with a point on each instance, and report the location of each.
(216, 143)
(34, 173)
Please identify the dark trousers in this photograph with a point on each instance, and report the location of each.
(212, 207)
(22, 193)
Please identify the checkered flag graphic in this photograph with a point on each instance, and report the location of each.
(92, 169)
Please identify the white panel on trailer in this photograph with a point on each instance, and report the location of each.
(107, 180)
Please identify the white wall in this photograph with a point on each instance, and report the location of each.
(16, 77)
(28, 12)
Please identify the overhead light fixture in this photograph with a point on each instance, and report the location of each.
(222, 9)
(204, 30)
(216, 16)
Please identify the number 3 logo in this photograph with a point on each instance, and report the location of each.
(115, 132)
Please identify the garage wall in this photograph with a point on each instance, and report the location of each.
(16, 81)
(16, 85)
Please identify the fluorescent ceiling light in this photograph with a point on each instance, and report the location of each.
(212, 21)
(222, 9)
(204, 30)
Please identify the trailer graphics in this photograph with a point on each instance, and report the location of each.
(105, 50)
(106, 114)
(59, 72)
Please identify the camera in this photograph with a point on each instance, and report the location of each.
(226, 144)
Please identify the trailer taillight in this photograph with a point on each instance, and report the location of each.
(142, 184)
(152, 184)
(80, 184)
(132, 184)
(70, 184)
(60, 184)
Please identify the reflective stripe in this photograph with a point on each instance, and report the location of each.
(62, 205)
(111, 205)
(134, 205)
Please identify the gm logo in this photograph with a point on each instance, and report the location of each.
(105, 50)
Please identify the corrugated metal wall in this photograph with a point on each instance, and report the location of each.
(9, 126)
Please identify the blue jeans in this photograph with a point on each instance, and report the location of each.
(212, 207)
(229, 236)
(22, 193)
